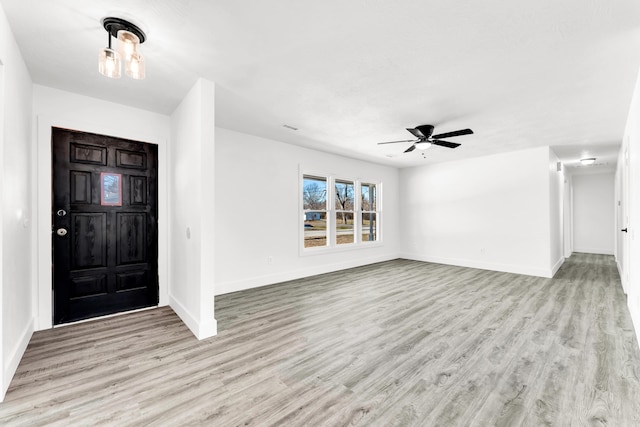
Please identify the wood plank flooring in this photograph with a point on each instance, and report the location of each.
(398, 343)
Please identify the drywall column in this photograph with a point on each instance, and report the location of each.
(567, 216)
(16, 239)
(191, 235)
(556, 219)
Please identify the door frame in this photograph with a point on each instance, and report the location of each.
(43, 253)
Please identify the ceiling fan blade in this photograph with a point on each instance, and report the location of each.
(455, 133)
(445, 143)
(395, 142)
(417, 133)
(410, 149)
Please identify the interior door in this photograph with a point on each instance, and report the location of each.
(105, 244)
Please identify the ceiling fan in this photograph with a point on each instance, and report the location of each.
(426, 139)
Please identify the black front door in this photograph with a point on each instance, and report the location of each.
(105, 244)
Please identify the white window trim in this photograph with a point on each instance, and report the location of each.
(334, 213)
(332, 246)
(378, 212)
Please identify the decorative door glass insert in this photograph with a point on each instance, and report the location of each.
(110, 189)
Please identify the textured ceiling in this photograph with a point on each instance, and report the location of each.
(349, 74)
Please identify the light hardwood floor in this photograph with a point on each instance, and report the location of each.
(391, 344)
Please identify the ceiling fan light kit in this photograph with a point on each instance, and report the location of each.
(426, 139)
(129, 38)
(588, 161)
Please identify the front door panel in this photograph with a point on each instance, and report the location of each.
(105, 246)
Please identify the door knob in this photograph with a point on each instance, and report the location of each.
(61, 231)
(625, 230)
(61, 212)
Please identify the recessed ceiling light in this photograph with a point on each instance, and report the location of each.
(290, 127)
(588, 161)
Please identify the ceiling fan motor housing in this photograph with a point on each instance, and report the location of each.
(426, 130)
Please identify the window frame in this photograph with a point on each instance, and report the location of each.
(337, 211)
(332, 212)
(327, 204)
(377, 211)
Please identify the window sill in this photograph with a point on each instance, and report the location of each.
(327, 250)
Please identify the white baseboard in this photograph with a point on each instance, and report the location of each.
(619, 267)
(622, 277)
(270, 279)
(557, 266)
(14, 359)
(505, 268)
(208, 329)
(635, 319)
(595, 251)
(201, 329)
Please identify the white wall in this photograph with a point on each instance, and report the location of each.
(594, 213)
(193, 210)
(57, 108)
(491, 212)
(556, 212)
(632, 142)
(16, 293)
(621, 245)
(567, 214)
(257, 211)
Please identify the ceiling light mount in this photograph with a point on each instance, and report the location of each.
(129, 38)
(113, 25)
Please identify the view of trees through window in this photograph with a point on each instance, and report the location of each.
(314, 196)
(344, 208)
(331, 217)
(368, 206)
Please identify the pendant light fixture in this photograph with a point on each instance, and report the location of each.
(129, 39)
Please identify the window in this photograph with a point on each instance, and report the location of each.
(369, 215)
(339, 212)
(344, 208)
(314, 196)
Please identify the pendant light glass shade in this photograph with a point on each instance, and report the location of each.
(127, 44)
(134, 67)
(129, 37)
(109, 63)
